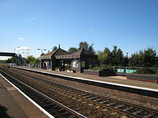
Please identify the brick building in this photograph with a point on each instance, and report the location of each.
(78, 61)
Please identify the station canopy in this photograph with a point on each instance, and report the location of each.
(62, 54)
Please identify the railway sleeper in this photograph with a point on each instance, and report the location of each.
(53, 109)
(61, 110)
(129, 108)
(149, 115)
(83, 95)
(103, 102)
(137, 112)
(79, 94)
(64, 113)
(116, 107)
(97, 100)
(111, 104)
(50, 106)
(88, 96)
(72, 116)
(92, 98)
(56, 115)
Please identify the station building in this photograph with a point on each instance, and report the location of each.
(78, 61)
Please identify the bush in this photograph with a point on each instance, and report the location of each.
(90, 66)
(58, 68)
(96, 68)
(110, 68)
(145, 70)
(69, 69)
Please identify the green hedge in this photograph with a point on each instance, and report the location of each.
(145, 70)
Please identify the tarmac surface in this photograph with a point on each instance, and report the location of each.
(14, 105)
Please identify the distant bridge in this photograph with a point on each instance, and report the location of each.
(19, 58)
(8, 54)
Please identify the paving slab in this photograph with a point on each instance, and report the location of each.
(14, 105)
(8, 106)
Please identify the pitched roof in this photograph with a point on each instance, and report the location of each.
(49, 54)
(77, 54)
(60, 52)
(54, 53)
(82, 52)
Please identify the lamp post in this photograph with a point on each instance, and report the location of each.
(127, 58)
(41, 63)
(18, 50)
(42, 50)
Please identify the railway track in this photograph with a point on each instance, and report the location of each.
(106, 105)
(55, 108)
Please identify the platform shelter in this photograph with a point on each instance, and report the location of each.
(78, 61)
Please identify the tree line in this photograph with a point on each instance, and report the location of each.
(82, 45)
(116, 57)
(112, 58)
(29, 60)
(143, 58)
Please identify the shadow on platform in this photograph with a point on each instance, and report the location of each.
(3, 112)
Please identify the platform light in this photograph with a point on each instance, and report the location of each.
(42, 50)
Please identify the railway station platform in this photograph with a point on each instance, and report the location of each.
(110, 79)
(14, 105)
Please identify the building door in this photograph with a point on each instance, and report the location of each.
(44, 65)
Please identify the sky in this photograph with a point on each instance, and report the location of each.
(131, 25)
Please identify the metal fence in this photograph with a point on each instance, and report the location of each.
(128, 70)
(125, 70)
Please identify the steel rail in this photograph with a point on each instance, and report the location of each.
(85, 99)
(89, 80)
(82, 97)
(94, 102)
(56, 102)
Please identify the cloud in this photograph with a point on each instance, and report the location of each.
(93, 31)
(24, 48)
(31, 19)
(21, 39)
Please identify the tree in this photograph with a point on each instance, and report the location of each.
(37, 61)
(149, 57)
(146, 58)
(30, 60)
(42, 54)
(91, 49)
(119, 57)
(104, 57)
(11, 60)
(100, 57)
(114, 58)
(107, 56)
(72, 50)
(134, 60)
(84, 45)
(54, 48)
